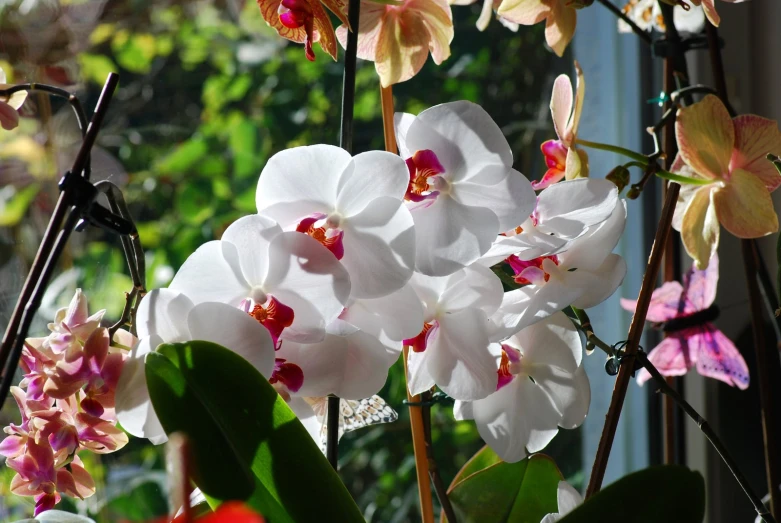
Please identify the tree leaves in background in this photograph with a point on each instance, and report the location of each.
(489, 490)
(247, 443)
(668, 494)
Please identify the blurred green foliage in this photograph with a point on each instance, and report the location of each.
(208, 93)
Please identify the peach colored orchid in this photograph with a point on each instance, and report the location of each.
(709, 6)
(731, 153)
(9, 107)
(560, 17)
(486, 13)
(564, 160)
(305, 22)
(398, 36)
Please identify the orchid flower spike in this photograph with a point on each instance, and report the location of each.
(354, 206)
(167, 316)
(9, 107)
(565, 211)
(541, 387)
(584, 275)
(398, 36)
(288, 281)
(305, 22)
(462, 189)
(560, 17)
(451, 350)
(731, 153)
(563, 159)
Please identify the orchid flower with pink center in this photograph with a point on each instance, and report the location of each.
(563, 159)
(167, 316)
(560, 17)
(463, 191)
(257, 264)
(731, 154)
(353, 206)
(488, 11)
(305, 22)
(398, 36)
(14, 444)
(564, 212)
(9, 108)
(451, 349)
(541, 387)
(584, 275)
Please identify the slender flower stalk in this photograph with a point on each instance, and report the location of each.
(761, 348)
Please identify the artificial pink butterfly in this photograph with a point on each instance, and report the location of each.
(685, 313)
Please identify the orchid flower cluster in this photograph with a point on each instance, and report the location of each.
(349, 259)
(66, 400)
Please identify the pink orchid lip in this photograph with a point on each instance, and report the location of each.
(274, 315)
(529, 272)
(332, 239)
(420, 342)
(288, 374)
(295, 14)
(510, 358)
(424, 167)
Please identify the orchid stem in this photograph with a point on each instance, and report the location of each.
(641, 158)
(346, 143)
(768, 407)
(667, 175)
(419, 448)
(433, 470)
(645, 36)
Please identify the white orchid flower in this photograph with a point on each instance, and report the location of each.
(288, 281)
(352, 205)
(541, 387)
(462, 188)
(451, 350)
(568, 500)
(167, 316)
(586, 274)
(564, 212)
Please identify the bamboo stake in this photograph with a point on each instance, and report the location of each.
(419, 447)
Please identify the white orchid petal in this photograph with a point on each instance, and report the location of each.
(133, 404)
(568, 208)
(418, 377)
(601, 283)
(234, 330)
(475, 287)
(212, 273)
(375, 174)
(590, 250)
(379, 248)
(163, 312)
(398, 315)
(511, 198)
(252, 235)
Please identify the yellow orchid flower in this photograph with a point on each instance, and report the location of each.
(305, 21)
(730, 152)
(397, 36)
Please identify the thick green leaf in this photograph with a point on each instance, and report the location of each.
(668, 494)
(483, 458)
(522, 492)
(247, 443)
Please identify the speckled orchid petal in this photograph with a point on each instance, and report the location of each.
(706, 136)
(755, 137)
(744, 207)
(700, 227)
(314, 27)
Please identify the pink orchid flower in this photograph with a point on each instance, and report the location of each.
(560, 18)
(397, 36)
(729, 152)
(564, 160)
(9, 107)
(305, 22)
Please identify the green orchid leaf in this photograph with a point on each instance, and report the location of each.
(488, 490)
(668, 493)
(246, 442)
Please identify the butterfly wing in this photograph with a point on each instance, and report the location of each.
(667, 302)
(700, 286)
(353, 415)
(672, 357)
(719, 358)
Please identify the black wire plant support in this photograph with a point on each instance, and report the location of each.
(76, 208)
